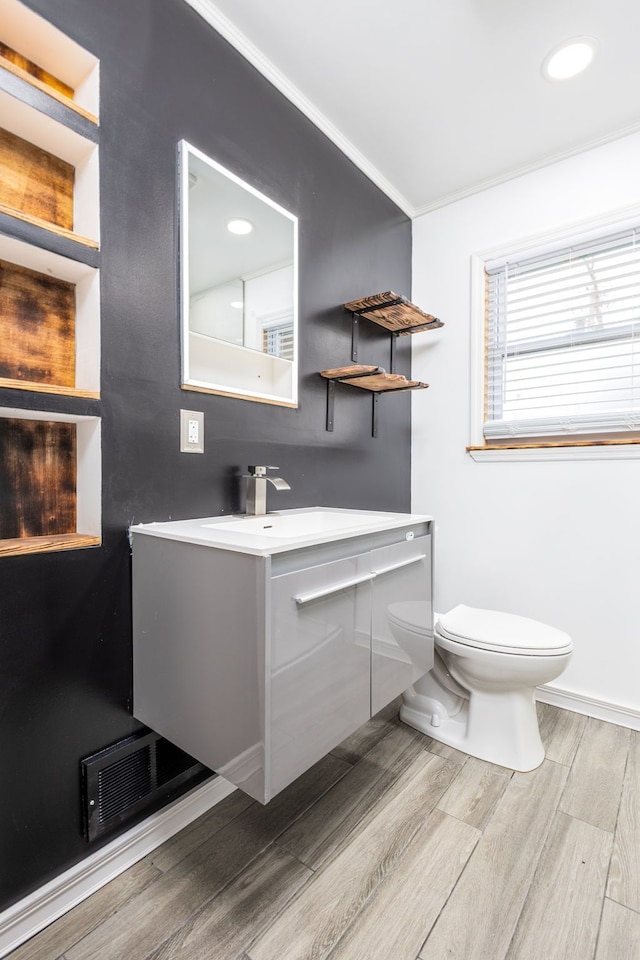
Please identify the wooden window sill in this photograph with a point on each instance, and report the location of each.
(625, 448)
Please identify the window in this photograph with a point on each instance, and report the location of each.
(562, 350)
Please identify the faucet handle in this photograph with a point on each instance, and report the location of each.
(260, 471)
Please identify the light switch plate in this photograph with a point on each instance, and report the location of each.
(191, 431)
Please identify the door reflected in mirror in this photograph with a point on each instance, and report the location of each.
(238, 286)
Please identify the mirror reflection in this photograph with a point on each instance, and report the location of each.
(239, 285)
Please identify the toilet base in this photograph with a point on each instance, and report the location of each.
(499, 728)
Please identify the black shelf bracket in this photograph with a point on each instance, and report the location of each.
(331, 395)
(392, 353)
(374, 414)
(355, 337)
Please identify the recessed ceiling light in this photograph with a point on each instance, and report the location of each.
(237, 304)
(569, 58)
(239, 226)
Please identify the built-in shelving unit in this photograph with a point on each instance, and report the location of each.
(49, 285)
(399, 317)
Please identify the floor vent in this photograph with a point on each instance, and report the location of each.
(131, 779)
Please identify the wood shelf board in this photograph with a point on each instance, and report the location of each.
(34, 71)
(65, 541)
(34, 182)
(33, 386)
(10, 70)
(374, 379)
(340, 373)
(385, 383)
(48, 226)
(37, 327)
(393, 312)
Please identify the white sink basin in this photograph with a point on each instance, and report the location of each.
(294, 524)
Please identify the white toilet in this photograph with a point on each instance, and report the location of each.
(479, 695)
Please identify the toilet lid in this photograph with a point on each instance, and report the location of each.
(502, 632)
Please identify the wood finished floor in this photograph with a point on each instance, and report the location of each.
(393, 847)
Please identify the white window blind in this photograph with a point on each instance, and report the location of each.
(278, 340)
(563, 341)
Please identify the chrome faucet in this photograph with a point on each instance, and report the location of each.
(257, 489)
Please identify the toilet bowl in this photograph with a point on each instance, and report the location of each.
(479, 696)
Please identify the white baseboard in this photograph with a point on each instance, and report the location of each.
(611, 712)
(47, 903)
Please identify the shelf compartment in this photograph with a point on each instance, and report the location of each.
(50, 481)
(393, 312)
(36, 51)
(48, 172)
(49, 322)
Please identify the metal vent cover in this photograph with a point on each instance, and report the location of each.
(131, 777)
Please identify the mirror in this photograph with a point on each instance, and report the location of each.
(238, 286)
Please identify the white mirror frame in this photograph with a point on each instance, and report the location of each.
(222, 367)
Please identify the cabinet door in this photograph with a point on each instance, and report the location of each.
(402, 573)
(319, 669)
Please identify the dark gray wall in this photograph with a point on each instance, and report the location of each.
(65, 641)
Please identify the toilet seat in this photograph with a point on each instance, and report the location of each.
(501, 633)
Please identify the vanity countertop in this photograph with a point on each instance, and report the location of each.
(279, 532)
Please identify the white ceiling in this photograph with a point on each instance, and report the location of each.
(436, 99)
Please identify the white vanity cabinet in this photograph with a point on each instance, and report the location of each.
(258, 664)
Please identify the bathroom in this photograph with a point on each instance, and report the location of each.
(554, 541)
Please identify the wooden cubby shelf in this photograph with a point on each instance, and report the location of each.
(36, 52)
(50, 478)
(48, 173)
(50, 462)
(12, 65)
(49, 322)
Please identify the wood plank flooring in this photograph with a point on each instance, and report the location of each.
(393, 847)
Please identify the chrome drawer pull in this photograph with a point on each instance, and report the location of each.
(334, 588)
(398, 566)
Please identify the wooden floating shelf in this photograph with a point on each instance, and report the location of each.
(373, 379)
(394, 313)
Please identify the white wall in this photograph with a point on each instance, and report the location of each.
(556, 541)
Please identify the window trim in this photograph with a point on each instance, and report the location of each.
(532, 245)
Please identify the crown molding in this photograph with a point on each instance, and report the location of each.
(209, 12)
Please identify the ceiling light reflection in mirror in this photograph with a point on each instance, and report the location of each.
(239, 285)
